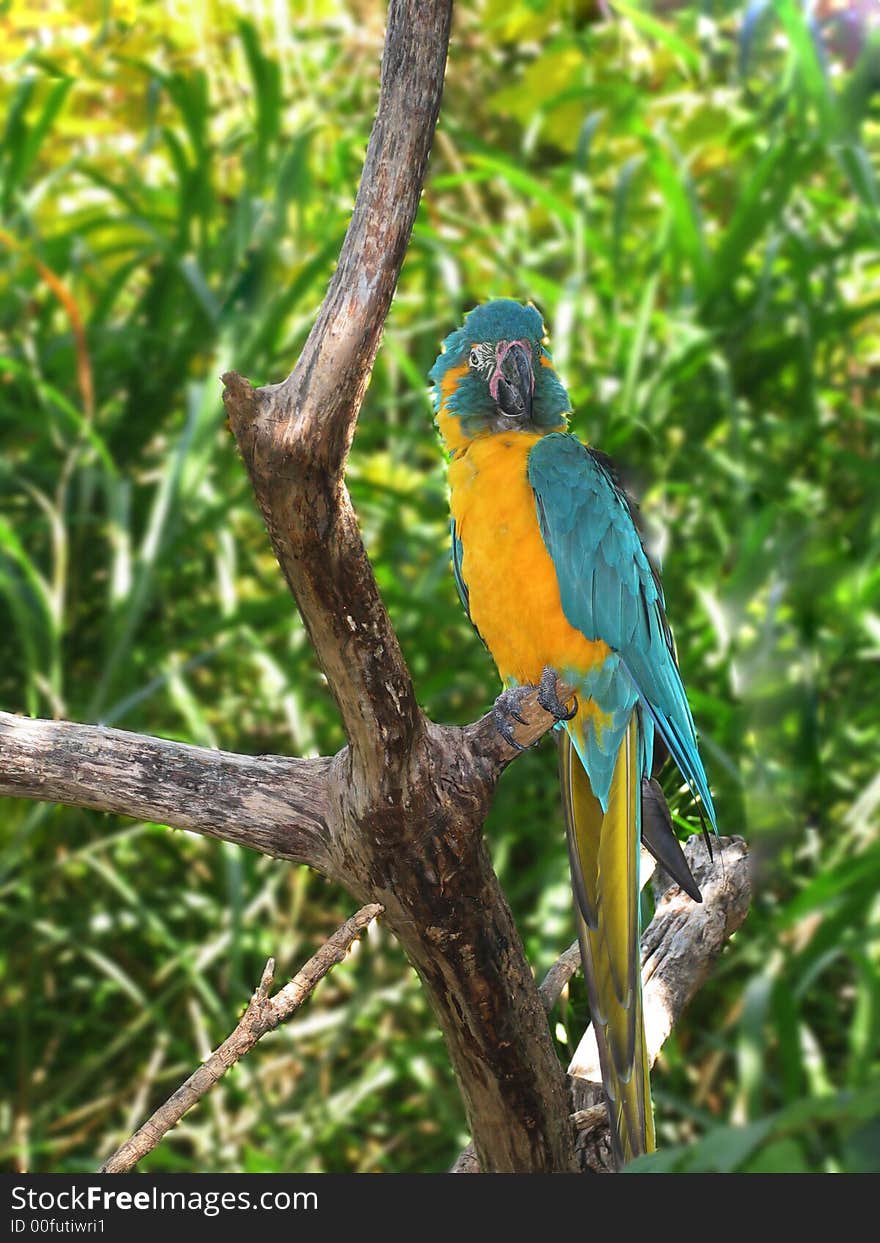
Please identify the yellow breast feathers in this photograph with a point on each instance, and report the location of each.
(511, 581)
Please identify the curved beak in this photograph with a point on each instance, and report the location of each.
(513, 383)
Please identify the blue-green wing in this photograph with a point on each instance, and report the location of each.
(461, 585)
(609, 590)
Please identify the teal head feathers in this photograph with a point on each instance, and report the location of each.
(496, 375)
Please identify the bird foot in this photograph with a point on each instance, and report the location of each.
(548, 696)
(508, 706)
(507, 710)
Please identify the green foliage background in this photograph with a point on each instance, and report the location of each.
(692, 202)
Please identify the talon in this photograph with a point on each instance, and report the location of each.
(506, 711)
(505, 729)
(548, 697)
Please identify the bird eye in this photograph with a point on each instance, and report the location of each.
(474, 359)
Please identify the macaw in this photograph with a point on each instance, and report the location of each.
(552, 572)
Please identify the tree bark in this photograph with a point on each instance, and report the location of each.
(295, 436)
(275, 805)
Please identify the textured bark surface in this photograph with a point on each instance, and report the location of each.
(295, 436)
(275, 805)
(419, 851)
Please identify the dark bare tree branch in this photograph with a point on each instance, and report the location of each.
(263, 1014)
(295, 436)
(275, 805)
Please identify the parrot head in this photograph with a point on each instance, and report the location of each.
(495, 375)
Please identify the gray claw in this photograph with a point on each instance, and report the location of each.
(548, 696)
(507, 710)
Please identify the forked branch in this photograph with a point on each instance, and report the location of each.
(295, 436)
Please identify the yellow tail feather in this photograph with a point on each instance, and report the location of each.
(604, 851)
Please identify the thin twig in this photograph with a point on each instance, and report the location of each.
(558, 976)
(263, 1014)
